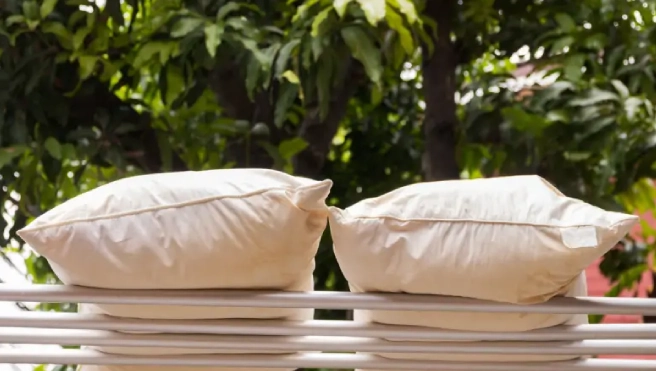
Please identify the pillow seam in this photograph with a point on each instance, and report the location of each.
(437, 220)
(170, 206)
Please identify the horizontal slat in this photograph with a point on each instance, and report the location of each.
(311, 360)
(318, 300)
(264, 344)
(317, 327)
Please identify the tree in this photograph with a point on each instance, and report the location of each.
(374, 94)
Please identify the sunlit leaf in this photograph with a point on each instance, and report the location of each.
(289, 148)
(340, 6)
(87, 65)
(364, 50)
(213, 33)
(621, 89)
(405, 36)
(186, 26)
(374, 10)
(594, 96)
(407, 8)
(47, 7)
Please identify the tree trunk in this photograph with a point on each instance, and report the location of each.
(319, 133)
(439, 84)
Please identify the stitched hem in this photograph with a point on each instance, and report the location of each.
(445, 220)
(170, 206)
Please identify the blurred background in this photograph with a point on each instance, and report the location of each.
(374, 94)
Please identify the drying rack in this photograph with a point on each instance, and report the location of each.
(330, 344)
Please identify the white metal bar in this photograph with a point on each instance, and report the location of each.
(319, 300)
(317, 327)
(310, 360)
(264, 344)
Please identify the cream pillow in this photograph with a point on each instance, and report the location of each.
(509, 239)
(493, 322)
(222, 229)
(477, 321)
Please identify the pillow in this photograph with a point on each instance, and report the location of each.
(509, 239)
(477, 321)
(221, 229)
(473, 321)
(305, 284)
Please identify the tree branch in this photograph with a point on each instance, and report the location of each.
(319, 133)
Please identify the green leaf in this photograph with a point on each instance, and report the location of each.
(596, 41)
(213, 34)
(632, 106)
(9, 153)
(622, 90)
(573, 68)
(252, 75)
(340, 6)
(59, 30)
(227, 9)
(577, 156)
(376, 96)
(186, 26)
(318, 20)
(79, 36)
(558, 115)
(87, 65)
(561, 43)
(174, 83)
(283, 57)
(53, 147)
(374, 10)
(553, 91)
(365, 51)
(291, 147)
(395, 22)
(565, 22)
(47, 7)
(291, 77)
(524, 121)
(31, 10)
(302, 10)
(407, 8)
(15, 19)
(146, 52)
(594, 96)
(286, 98)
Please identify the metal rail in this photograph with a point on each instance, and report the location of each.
(332, 337)
(52, 320)
(283, 344)
(319, 300)
(310, 360)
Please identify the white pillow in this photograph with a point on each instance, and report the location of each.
(509, 239)
(492, 322)
(477, 321)
(222, 229)
(196, 312)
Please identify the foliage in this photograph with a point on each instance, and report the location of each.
(339, 89)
